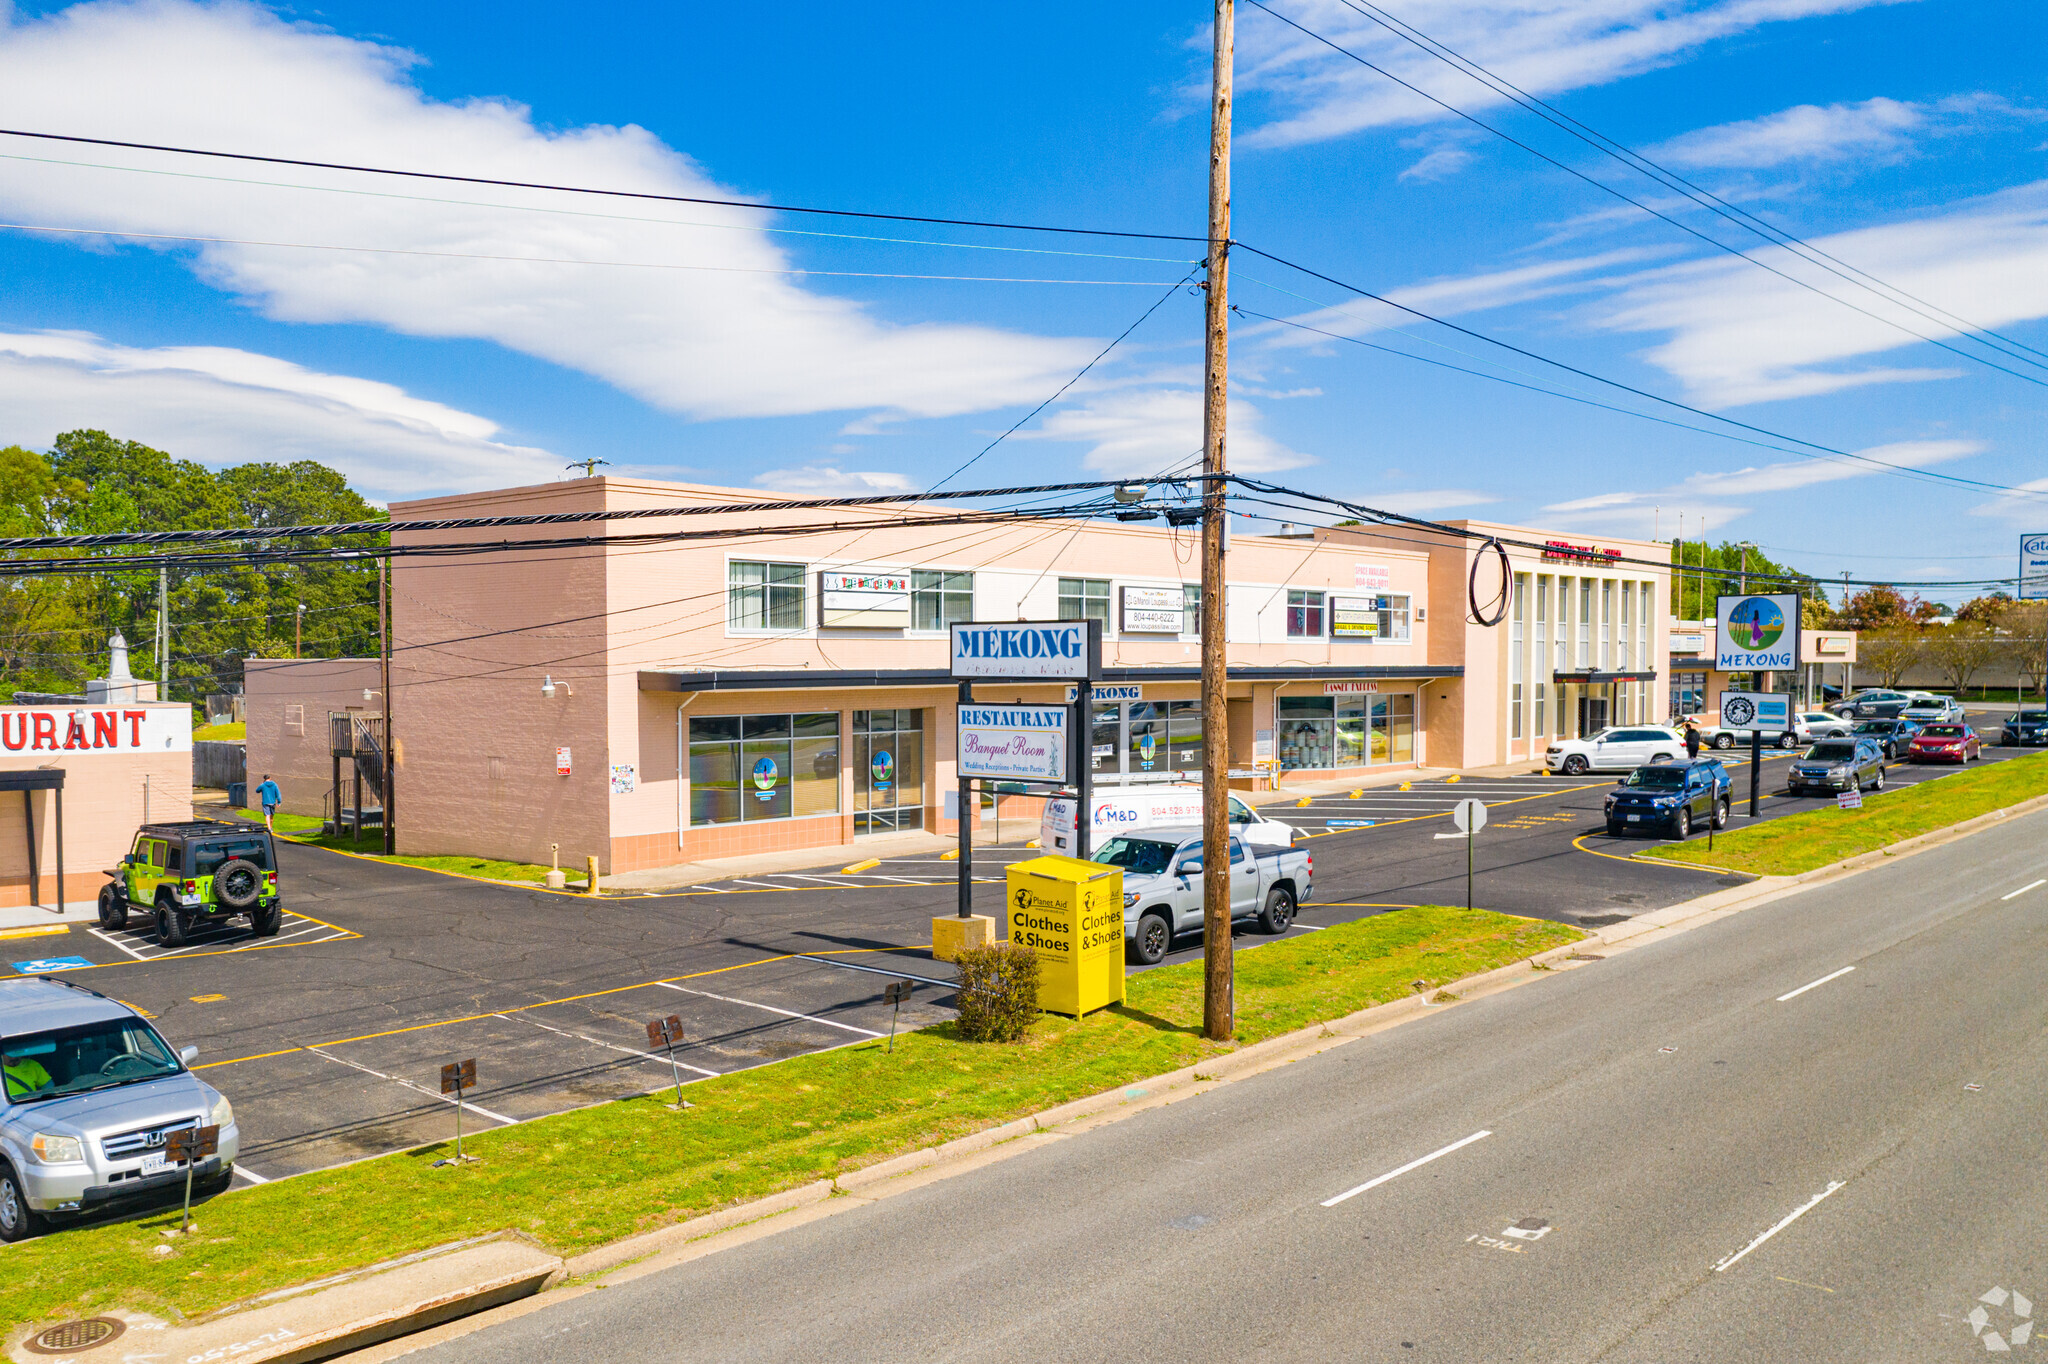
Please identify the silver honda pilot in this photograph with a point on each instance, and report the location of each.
(91, 1093)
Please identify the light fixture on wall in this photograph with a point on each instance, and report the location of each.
(548, 686)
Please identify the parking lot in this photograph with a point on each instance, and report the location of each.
(330, 1037)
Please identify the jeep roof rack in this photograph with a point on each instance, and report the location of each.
(195, 826)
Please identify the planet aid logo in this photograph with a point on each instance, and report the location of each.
(1755, 624)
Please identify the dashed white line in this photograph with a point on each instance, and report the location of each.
(1810, 984)
(1789, 1219)
(770, 1008)
(612, 1046)
(1411, 1165)
(2024, 889)
(400, 1080)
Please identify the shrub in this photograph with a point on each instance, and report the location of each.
(998, 992)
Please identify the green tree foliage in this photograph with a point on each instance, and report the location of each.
(1701, 572)
(53, 630)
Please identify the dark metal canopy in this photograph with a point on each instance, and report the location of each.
(763, 680)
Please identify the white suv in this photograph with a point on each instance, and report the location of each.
(1617, 749)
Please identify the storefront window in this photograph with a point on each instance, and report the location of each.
(1165, 737)
(888, 782)
(937, 600)
(1394, 716)
(1304, 616)
(1352, 729)
(1516, 638)
(755, 767)
(1106, 734)
(762, 596)
(1688, 693)
(1085, 599)
(1307, 727)
(1393, 609)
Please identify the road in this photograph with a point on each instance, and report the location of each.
(1809, 1131)
(330, 1038)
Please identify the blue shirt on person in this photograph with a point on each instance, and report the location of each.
(268, 793)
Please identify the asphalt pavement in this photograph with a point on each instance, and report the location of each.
(1809, 1131)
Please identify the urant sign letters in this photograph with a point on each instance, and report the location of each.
(79, 731)
(1028, 649)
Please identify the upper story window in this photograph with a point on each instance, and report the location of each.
(1304, 614)
(764, 596)
(1394, 615)
(938, 599)
(1191, 608)
(1085, 599)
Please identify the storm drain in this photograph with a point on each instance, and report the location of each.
(70, 1337)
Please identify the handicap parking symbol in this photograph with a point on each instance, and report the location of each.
(44, 965)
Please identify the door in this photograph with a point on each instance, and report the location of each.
(1592, 714)
(1244, 879)
(888, 753)
(150, 874)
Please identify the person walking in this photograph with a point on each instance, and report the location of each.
(270, 798)
(1692, 737)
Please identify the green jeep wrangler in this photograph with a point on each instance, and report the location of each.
(192, 873)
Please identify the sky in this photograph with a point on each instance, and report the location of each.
(428, 337)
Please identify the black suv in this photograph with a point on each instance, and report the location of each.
(1893, 736)
(191, 873)
(2024, 728)
(1672, 797)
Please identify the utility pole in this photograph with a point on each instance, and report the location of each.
(384, 663)
(298, 628)
(163, 634)
(1219, 989)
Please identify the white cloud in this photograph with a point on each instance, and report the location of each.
(1709, 501)
(1153, 430)
(1440, 164)
(1543, 46)
(1737, 334)
(825, 480)
(2026, 513)
(222, 406)
(1425, 501)
(1807, 132)
(708, 343)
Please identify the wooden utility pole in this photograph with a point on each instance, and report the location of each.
(1219, 993)
(384, 663)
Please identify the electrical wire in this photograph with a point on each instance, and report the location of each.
(1670, 179)
(604, 193)
(1684, 227)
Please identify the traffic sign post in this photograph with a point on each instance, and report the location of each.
(893, 994)
(188, 1146)
(457, 1076)
(666, 1032)
(1470, 817)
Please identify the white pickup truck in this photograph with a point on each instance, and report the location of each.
(1163, 886)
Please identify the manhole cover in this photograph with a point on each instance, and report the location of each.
(68, 1338)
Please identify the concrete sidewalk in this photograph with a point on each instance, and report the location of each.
(40, 916)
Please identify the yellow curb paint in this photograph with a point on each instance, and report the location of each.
(950, 855)
(1358, 794)
(208, 999)
(1299, 803)
(1450, 779)
(1032, 844)
(35, 931)
(861, 866)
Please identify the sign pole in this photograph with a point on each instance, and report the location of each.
(1219, 994)
(185, 1228)
(1756, 766)
(966, 821)
(1469, 835)
(1084, 778)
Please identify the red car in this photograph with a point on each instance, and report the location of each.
(1945, 744)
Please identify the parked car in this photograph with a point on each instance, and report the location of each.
(1891, 735)
(1837, 765)
(1881, 703)
(1163, 886)
(1822, 725)
(1934, 710)
(2024, 729)
(1948, 743)
(1672, 797)
(1616, 749)
(189, 873)
(89, 1091)
(1162, 806)
(1800, 733)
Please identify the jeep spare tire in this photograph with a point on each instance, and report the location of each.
(238, 883)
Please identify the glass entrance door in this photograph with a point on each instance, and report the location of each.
(888, 757)
(1592, 713)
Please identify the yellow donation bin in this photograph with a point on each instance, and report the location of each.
(1071, 914)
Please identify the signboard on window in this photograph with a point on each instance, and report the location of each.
(1756, 634)
(875, 601)
(1014, 743)
(1690, 643)
(2033, 567)
(1355, 617)
(1372, 577)
(1152, 610)
(1028, 649)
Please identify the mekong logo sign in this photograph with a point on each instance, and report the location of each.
(1755, 634)
(1027, 649)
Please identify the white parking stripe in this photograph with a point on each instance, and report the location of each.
(2036, 885)
(116, 942)
(611, 1046)
(770, 1008)
(1411, 1165)
(250, 1175)
(1810, 984)
(422, 1089)
(1790, 1218)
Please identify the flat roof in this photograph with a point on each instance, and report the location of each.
(813, 678)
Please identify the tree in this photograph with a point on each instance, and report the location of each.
(2022, 628)
(1961, 650)
(1877, 607)
(1700, 572)
(1890, 651)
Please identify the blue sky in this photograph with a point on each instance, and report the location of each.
(390, 333)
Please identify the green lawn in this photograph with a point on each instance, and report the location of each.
(1816, 838)
(581, 1179)
(306, 829)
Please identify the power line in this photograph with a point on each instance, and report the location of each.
(1823, 450)
(1670, 179)
(604, 193)
(1686, 228)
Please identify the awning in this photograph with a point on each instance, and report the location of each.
(811, 678)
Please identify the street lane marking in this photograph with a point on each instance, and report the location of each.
(1809, 985)
(1411, 1165)
(399, 1080)
(2023, 890)
(610, 1046)
(770, 1008)
(1789, 1219)
(874, 970)
(250, 1174)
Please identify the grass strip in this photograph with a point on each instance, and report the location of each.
(236, 731)
(307, 829)
(578, 1180)
(1817, 838)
